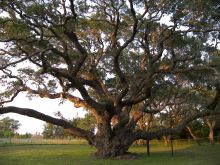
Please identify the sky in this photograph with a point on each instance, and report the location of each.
(44, 105)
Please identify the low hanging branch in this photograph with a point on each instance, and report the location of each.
(212, 109)
(140, 134)
(38, 115)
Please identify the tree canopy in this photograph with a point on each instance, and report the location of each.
(8, 127)
(121, 56)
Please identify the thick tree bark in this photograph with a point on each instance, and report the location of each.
(113, 145)
(110, 148)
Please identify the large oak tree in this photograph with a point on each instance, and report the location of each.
(117, 54)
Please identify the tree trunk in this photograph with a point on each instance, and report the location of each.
(112, 144)
(141, 142)
(193, 135)
(211, 136)
(111, 148)
(166, 139)
(211, 124)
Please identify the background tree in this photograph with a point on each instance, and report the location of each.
(213, 124)
(53, 131)
(23, 136)
(8, 127)
(116, 54)
(197, 130)
(87, 122)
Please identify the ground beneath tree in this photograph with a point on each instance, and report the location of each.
(127, 156)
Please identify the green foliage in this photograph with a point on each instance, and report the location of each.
(87, 122)
(199, 128)
(43, 25)
(23, 136)
(8, 127)
(53, 131)
(8, 133)
(14, 29)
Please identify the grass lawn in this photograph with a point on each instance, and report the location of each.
(80, 154)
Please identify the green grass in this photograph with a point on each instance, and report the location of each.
(80, 154)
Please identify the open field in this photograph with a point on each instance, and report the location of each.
(80, 154)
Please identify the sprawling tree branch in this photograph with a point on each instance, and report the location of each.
(212, 109)
(140, 134)
(73, 37)
(35, 114)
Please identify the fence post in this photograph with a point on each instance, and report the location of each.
(148, 147)
(171, 144)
